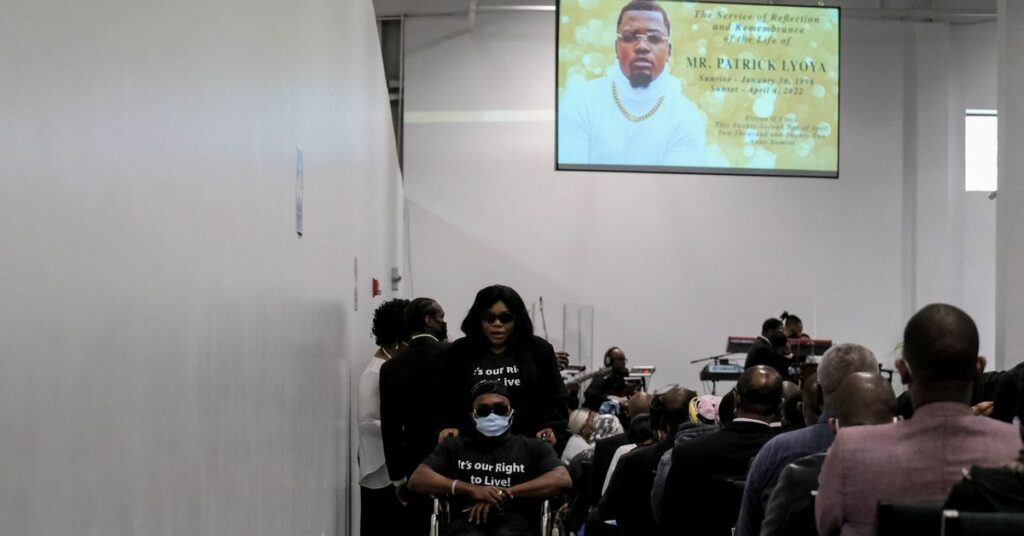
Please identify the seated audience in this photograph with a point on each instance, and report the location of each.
(696, 497)
(572, 389)
(605, 449)
(920, 459)
(609, 381)
(991, 489)
(703, 411)
(581, 470)
(595, 428)
(606, 425)
(581, 426)
(810, 406)
(983, 395)
(1009, 395)
(838, 362)
(703, 419)
(627, 500)
(496, 479)
(589, 474)
(640, 435)
(863, 398)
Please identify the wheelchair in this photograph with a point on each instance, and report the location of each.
(552, 522)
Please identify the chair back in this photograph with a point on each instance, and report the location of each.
(956, 523)
(727, 493)
(903, 519)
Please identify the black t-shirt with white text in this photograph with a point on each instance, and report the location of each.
(500, 462)
(499, 368)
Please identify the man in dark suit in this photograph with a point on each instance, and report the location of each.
(628, 497)
(701, 494)
(408, 386)
(769, 348)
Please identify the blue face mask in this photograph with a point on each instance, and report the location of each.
(493, 425)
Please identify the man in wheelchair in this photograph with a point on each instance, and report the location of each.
(496, 481)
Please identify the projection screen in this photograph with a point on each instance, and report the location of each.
(698, 87)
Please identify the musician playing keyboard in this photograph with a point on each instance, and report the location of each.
(771, 349)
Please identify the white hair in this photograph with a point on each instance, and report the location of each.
(842, 360)
(578, 419)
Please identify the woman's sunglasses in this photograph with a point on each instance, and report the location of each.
(505, 318)
(484, 410)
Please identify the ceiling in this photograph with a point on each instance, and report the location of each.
(952, 11)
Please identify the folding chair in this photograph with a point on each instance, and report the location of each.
(956, 523)
(905, 519)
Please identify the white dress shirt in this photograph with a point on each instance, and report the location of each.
(373, 473)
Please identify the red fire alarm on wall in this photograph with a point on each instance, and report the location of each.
(376, 288)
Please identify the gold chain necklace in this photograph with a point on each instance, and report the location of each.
(629, 116)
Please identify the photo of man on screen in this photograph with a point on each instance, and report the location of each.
(637, 114)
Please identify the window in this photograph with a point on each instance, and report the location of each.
(980, 150)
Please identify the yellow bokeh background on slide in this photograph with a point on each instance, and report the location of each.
(767, 124)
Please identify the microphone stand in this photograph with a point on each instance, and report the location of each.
(714, 358)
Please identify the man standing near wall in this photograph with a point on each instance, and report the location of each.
(408, 414)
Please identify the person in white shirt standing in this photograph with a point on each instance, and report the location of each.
(637, 114)
(379, 505)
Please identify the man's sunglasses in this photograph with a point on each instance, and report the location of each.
(484, 410)
(632, 37)
(505, 318)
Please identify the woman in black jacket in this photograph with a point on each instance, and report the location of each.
(500, 346)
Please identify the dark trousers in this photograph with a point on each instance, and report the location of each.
(415, 515)
(502, 524)
(379, 512)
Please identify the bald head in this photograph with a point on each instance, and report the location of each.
(864, 398)
(940, 344)
(841, 361)
(759, 391)
(790, 390)
(638, 403)
(670, 409)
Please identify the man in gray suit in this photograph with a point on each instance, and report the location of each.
(918, 460)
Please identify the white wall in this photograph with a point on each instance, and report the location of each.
(673, 264)
(175, 360)
(1010, 212)
(973, 55)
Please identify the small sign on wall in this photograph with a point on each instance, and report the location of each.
(298, 189)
